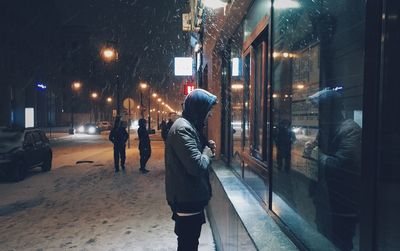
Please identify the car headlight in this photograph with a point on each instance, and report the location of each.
(81, 129)
(92, 129)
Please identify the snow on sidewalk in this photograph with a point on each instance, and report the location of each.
(88, 207)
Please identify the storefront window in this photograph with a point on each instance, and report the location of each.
(388, 150)
(246, 104)
(317, 83)
(258, 104)
(237, 99)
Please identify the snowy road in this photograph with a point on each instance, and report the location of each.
(87, 206)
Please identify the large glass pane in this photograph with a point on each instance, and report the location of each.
(246, 112)
(258, 105)
(237, 97)
(225, 108)
(388, 204)
(317, 101)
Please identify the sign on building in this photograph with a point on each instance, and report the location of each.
(186, 24)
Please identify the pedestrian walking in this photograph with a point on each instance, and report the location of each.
(164, 131)
(169, 124)
(144, 145)
(118, 136)
(188, 156)
(284, 138)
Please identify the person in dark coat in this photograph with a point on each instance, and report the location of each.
(118, 136)
(144, 145)
(188, 156)
(169, 124)
(164, 131)
(336, 192)
(284, 139)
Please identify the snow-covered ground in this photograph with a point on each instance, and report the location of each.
(88, 207)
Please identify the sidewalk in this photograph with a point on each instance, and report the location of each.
(88, 207)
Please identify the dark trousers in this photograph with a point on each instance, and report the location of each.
(284, 155)
(188, 229)
(119, 152)
(144, 157)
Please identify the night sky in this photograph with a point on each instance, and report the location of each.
(57, 41)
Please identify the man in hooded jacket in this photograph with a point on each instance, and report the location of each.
(337, 190)
(144, 145)
(188, 157)
(118, 136)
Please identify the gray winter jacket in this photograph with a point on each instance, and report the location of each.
(186, 167)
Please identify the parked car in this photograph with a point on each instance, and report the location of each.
(23, 149)
(104, 125)
(89, 128)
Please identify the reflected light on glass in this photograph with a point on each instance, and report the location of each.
(214, 4)
(235, 67)
(237, 86)
(286, 4)
(29, 117)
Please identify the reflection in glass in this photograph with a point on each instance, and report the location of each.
(317, 93)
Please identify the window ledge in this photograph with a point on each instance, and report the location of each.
(261, 228)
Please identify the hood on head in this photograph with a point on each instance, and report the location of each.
(142, 123)
(330, 105)
(196, 106)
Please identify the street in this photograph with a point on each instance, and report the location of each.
(86, 206)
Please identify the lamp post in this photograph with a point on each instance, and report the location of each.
(109, 54)
(109, 101)
(94, 96)
(155, 95)
(143, 86)
(75, 87)
(158, 113)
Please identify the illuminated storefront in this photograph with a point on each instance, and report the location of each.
(293, 82)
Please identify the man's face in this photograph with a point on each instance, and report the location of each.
(209, 115)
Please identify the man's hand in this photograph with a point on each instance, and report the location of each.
(207, 151)
(212, 145)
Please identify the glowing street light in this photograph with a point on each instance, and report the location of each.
(143, 86)
(76, 85)
(109, 100)
(94, 95)
(109, 54)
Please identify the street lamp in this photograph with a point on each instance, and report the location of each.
(109, 54)
(94, 96)
(158, 113)
(108, 115)
(75, 87)
(143, 86)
